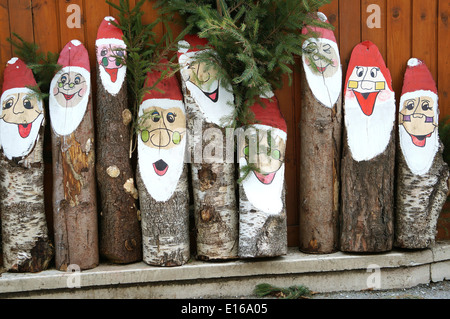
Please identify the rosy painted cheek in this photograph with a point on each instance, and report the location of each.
(334, 62)
(350, 94)
(55, 91)
(385, 95)
(82, 91)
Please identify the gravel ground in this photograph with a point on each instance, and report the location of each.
(439, 290)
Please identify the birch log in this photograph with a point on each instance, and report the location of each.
(73, 148)
(422, 173)
(321, 134)
(162, 174)
(26, 245)
(262, 207)
(368, 159)
(120, 228)
(209, 106)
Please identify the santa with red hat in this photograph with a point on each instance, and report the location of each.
(110, 54)
(162, 136)
(22, 110)
(214, 99)
(419, 117)
(263, 186)
(369, 103)
(70, 89)
(322, 64)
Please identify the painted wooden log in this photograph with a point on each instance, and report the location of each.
(162, 173)
(26, 245)
(262, 208)
(120, 235)
(368, 160)
(321, 134)
(421, 172)
(209, 106)
(73, 148)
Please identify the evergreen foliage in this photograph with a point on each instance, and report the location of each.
(144, 52)
(43, 65)
(444, 135)
(255, 42)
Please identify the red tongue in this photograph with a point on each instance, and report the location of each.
(265, 179)
(420, 142)
(366, 101)
(24, 130)
(213, 96)
(68, 97)
(113, 74)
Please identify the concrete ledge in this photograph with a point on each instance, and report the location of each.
(321, 273)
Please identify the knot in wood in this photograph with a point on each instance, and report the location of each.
(113, 171)
(207, 214)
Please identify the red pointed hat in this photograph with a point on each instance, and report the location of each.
(367, 54)
(74, 54)
(323, 33)
(196, 44)
(107, 30)
(270, 114)
(17, 75)
(418, 77)
(170, 88)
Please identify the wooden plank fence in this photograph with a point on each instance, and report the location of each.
(407, 28)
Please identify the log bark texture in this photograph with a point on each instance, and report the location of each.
(367, 212)
(75, 197)
(26, 245)
(165, 225)
(320, 157)
(120, 228)
(215, 211)
(419, 202)
(261, 234)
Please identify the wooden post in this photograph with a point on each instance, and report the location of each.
(26, 246)
(209, 106)
(320, 138)
(368, 158)
(421, 174)
(73, 148)
(162, 174)
(262, 207)
(120, 228)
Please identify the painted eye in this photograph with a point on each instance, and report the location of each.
(327, 49)
(276, 154)
(120, 53)
(63, 79)
(170, 117)
(77, 80)
(176, 138)
(155, 116)
(8, 104)
(426, 106)
(410, 106)
(145, 136)
(374, 72)
(27, 104)
(359, 72)
(104, 52)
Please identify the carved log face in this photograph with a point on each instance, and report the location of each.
(369, 103)
(213, 98)
(22, 112)
(110, 52)
(70, 89)
(322, 64)
(162, 137)
(419, 118)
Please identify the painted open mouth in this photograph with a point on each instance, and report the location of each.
(367, 101)
(160, 167)
(24, 130)
(68, 97)
(213, 96)
(420, 141)
(321, 69)
(265, 178)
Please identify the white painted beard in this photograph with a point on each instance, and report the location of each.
(418, 159)
(13, 144)
(325, 89)
(369, 136)
(111, 87)
(161, 188)
(265, 197)
(220, 112)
